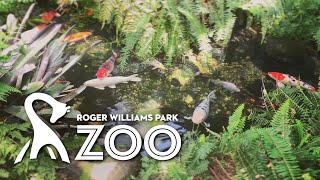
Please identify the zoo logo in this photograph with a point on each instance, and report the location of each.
(43, 136)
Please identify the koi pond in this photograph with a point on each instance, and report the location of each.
(240, 75)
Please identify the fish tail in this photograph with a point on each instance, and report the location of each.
(314, 89)
(135, 78)
(216, 81)
(212, 95)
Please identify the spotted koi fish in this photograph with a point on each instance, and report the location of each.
(286, 79)
(107, 67)
(77, 37)
(201, 112)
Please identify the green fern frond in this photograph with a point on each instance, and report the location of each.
(176, 172)
(131, 39)
(236, 123)
(281, 117)
(5, 90)
(106, 9)
(283, 158)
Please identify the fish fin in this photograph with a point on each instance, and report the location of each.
(113, 86)
(206, 124)
(135, 78)
(125, 82)
(187, 117)
(71, 43)
(280, 84)
(212, 95)
(101, 88)
(154, 68)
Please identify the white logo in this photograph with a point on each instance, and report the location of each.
(43, 135)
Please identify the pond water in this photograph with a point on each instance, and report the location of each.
(179, 90)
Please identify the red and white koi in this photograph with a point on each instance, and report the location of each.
(107, 67)
(286, 79)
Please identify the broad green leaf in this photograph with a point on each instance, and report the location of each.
(17, 111)
(32, 87)
(56, 89)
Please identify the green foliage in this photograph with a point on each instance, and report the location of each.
(192, 160)
(150, 168)
(5, 90)
(12, 137)
(288, 19)
(9, 5)
(305, 106)
(166, 30)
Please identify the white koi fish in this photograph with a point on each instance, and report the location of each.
(227, 85)
(111, 81)
(201, 112)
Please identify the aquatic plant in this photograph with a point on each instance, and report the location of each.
(37, 67)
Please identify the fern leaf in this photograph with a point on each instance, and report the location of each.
(177, 173)
(281, 117)
(5, 90)
(236, 123)
(283, 159)
(106, 8)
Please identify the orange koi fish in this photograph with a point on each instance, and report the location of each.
(47, 16)
(107, 67)
(77, 37)
(286, 79)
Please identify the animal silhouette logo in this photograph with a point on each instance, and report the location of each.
(43, 135)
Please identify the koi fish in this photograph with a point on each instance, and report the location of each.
(227, 85)
(47, 16)
(29, 35)
(77, 37)
(111, 81)
(107, 67)
(286, 79)
(156, 64)
(201, 112)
